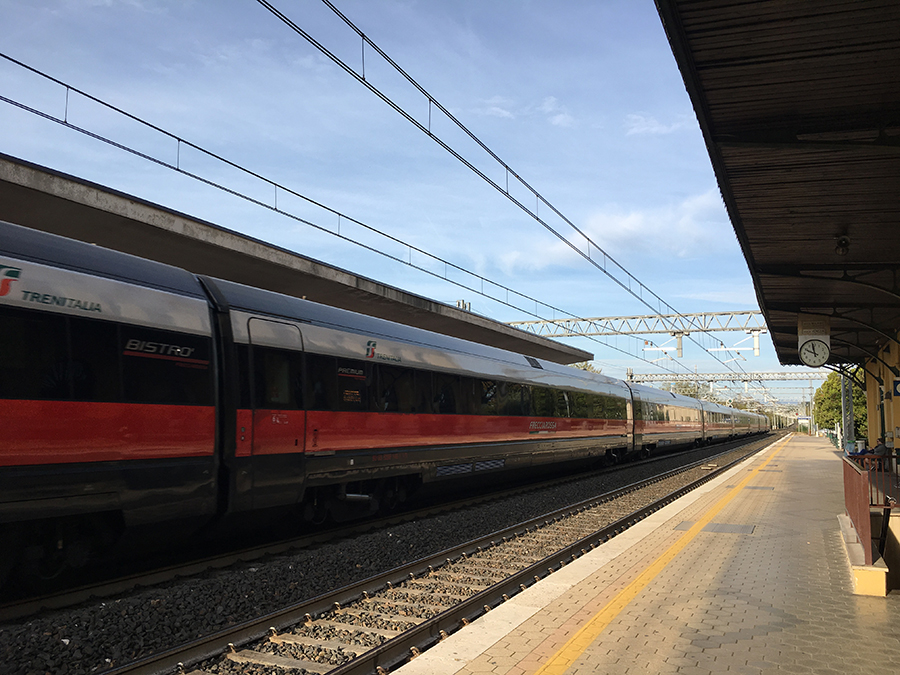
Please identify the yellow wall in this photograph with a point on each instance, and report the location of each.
(874, 393)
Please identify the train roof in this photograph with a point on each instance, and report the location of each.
(249, 299)
(49, 249)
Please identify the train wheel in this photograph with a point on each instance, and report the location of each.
(55, 552)
(315, 512)
(9, 552)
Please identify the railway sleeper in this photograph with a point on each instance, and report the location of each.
(402, 595)
(488, 574)
(525, 558)
(261, 659)
(350, 628)
(471, 580)
(367, 615)
(410, 586)
(335, 645)
(439, 602)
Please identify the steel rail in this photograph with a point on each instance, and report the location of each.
(28, 606)
(398, 649)
(21, 608)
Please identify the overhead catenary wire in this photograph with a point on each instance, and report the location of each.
(178, 167)
(625, 284)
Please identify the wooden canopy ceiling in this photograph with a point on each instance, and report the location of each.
(799, 103)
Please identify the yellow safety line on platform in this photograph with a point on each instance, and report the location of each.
(584, 638)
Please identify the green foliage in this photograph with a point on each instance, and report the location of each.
(587, 365)
(827, 411)
(691, 389)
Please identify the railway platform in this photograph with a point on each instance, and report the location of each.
(748, 574)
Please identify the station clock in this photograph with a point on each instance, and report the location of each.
(814, 353)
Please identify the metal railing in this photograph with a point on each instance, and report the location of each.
(883, 481)
(870, 482)
(856, 501)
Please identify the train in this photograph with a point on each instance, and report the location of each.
(135, 393)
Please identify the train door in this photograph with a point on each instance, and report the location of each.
(279, 416)
(633, 438)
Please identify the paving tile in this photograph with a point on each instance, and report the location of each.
(778, 600)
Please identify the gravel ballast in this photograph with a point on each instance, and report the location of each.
(99, 635)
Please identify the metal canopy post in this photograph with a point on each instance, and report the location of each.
(847, 414)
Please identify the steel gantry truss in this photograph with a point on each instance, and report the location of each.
(669, 324)
(724, 377)
(676, 325)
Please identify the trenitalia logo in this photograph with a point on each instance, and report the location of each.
(7, 276)
(372, 354)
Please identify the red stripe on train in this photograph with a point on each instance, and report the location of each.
(345, 431)
(62, 432)
(268, 432)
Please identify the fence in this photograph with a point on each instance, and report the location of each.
(869, 482)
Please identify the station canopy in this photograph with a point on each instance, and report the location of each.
(47, 200)
(799, 104)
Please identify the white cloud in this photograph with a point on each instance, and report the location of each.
(646, 124)
(496, 111)
(736, 294)
(496, 107)
(557, 115)
(549, 107)
(694, 228)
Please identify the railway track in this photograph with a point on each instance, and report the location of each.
(29, 606)
(375, 625)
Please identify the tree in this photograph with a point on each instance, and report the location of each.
(588, 366)
(691, 389)
(827, 411)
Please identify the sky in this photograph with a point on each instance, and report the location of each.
(583, 100)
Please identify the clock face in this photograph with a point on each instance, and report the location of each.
(814, 353)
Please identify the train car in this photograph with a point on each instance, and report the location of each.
(342, 411)
(135, 393)
(718, 422)
(107, 381)
(745, 422)
(664, 420)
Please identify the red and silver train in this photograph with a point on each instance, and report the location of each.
(136, 393)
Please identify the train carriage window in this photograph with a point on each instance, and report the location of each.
(527, 405)
(424, 392)
(446, 393)
(321, 382)
(94, 364)
(353, 382)
(610, 407)
(33, 355)
(489, 396)
(278, 375)
(543, 402)
(396, 390)
(468, 398)
(165, 367)
(243, 376)
(563, 403)
(581, 404)
(597, 406)
(514, 402)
